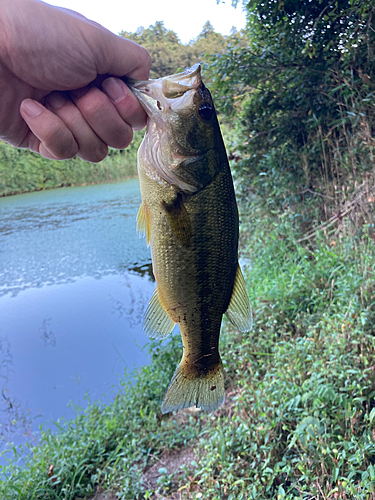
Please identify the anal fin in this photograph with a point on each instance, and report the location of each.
(157, 323)
(239, 310)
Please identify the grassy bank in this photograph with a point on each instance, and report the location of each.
(22, 171)
(298, 421)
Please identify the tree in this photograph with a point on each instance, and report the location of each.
(207, 30)
(168, 54)
(302, 90)
(163, 45)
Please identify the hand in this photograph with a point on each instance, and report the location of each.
(55, 94)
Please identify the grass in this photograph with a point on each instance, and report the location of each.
(298, 422)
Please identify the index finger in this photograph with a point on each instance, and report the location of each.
(125, 102)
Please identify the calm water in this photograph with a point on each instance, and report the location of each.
(74, 282)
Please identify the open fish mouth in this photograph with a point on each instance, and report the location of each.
(172, 91)
(190, 78)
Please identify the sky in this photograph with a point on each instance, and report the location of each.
(186, 18)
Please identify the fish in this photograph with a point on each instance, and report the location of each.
(190, 219)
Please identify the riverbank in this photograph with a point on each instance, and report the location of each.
(22, 171)
(298, 416)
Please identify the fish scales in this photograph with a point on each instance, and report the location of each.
(190, 218)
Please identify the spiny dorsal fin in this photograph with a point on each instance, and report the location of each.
(179, 220)
(156, 322)
(143, 222)
(239, 310)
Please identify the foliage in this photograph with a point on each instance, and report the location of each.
(169, 55)
(23, 171)
(302, 423)
(302, 91)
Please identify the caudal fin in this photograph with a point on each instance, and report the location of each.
(205, 391)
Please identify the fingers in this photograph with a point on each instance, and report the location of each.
(125, 102)
(84, 122)
(102, 116)
(90, 146)
(50, 137)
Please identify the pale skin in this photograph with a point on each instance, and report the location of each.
(54, 98)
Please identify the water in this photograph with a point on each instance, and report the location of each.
(74, 282)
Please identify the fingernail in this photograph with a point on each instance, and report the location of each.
(114, 89)
(57, 100)
(32, 108)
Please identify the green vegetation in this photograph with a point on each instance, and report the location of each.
(22, 171)
(299, 417)
(169, 55)
(302, 91)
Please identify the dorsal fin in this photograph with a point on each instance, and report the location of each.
(239, 310)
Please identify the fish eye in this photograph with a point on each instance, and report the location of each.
(206, 111)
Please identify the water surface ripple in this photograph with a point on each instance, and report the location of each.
(59, 235)
(74, 282)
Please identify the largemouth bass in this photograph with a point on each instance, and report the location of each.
(190, 218)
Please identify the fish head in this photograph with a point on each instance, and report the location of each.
(182, 124)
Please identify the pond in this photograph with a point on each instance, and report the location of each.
(74, 282)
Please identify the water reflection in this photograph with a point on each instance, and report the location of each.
(136, 298)
(75, 280)
(143, 270)
(47, 334)
(60, 235)
(14, 418)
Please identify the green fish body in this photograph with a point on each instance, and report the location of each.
(189, 214)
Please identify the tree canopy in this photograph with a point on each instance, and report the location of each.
(302, 90)
(168, 54)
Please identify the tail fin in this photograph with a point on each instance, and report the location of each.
(206, 391)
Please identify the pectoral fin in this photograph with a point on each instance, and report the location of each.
(239, 310)
(143, 222)
(156, 322)
(179, 220)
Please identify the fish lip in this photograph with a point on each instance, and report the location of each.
(148, 103)
(149, 93)
(188, 73)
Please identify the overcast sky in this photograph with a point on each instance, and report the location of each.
(186, 18)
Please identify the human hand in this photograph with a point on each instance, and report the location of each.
(55, 94)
